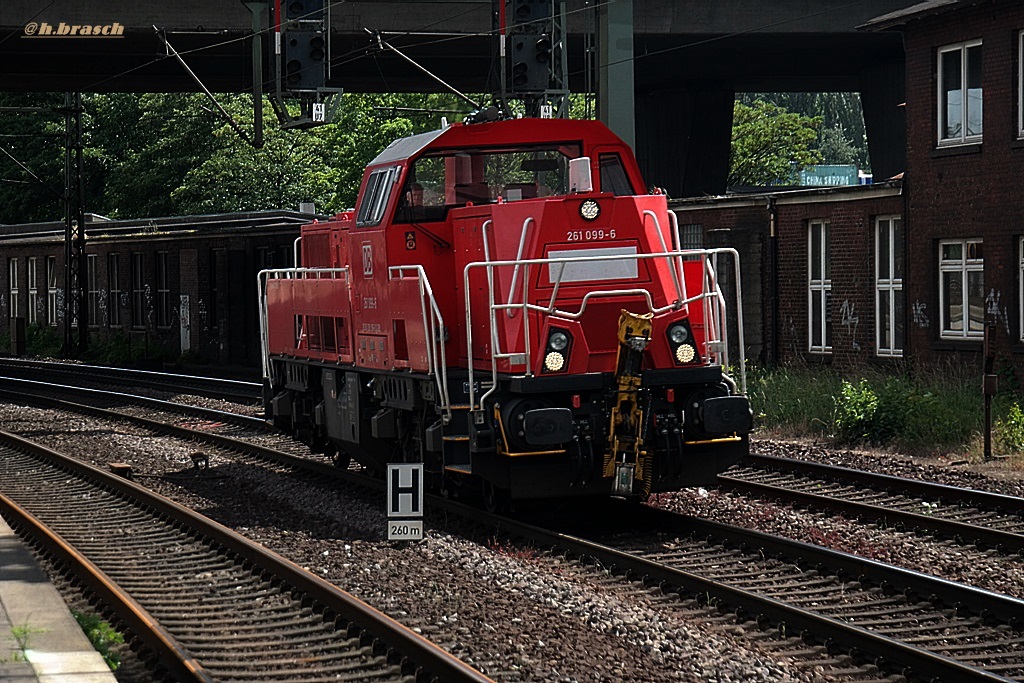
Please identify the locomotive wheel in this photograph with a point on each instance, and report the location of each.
(496, 499)
(340, 459)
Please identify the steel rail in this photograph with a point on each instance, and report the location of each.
(159, 404)
(911, 486)
(417, 649)
(1007, 541)
(205, 386)
(827, 629)
(172, 655)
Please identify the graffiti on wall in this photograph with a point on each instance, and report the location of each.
(995, 310)
(920, 314)
(849, 319)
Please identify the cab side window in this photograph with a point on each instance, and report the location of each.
(375, 197)
(613, 175)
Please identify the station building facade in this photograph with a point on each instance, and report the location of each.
(164, 286)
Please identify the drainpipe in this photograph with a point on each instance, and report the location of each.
(773, 279)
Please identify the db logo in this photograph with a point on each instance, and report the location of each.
(410, 240)
(367, 259)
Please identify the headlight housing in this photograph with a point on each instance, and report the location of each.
(556, 353)
(681, 343)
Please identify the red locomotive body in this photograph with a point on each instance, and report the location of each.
(505, 306)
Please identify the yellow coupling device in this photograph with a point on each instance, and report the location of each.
(625, 459)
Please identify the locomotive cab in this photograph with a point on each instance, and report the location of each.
(506, 306)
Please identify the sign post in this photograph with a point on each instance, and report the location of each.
(405, 502)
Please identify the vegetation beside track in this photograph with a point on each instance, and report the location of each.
(927, 413)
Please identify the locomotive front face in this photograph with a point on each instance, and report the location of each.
(502, 306)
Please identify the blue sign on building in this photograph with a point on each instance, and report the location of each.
(828, 175)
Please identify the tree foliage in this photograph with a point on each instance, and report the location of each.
(842, 133)
(770, 145)
(162, 154)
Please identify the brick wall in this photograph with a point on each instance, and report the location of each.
(775, 269)
(968, 191)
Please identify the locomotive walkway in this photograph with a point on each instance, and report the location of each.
(39, 639)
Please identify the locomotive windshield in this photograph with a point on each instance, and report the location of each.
(444, 179)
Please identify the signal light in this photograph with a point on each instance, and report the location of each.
(305, 59)
(304, 10)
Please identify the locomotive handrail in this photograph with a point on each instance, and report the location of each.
(711, 299)
(676, 279)
(264, 277)
(519, 256)
(435, 332)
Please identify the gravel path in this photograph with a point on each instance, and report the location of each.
(519, 615)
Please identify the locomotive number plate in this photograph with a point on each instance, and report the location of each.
(589, 235)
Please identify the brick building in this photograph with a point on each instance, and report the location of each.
(818, 270)
(912, 269)
(165, 286)
(965, 170)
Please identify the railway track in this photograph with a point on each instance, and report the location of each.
(916, 624)
(912, 623)
(978, 517)
(227, 389)
(211, 604)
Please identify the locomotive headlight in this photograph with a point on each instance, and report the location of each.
(590, 210)
(554, 361)
(558, 340)
(677, 334)
(685, 353)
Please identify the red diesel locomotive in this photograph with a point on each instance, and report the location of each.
(506, 306)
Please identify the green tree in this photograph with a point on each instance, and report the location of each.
(770, 145)
(32, 141)
(842, 118)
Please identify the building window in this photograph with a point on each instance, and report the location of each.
(218, 261)
(113, 290)
(138, 291)
(92, 289)
(961, 289)
(691, 236)
(163, 291)
(959, 97)
(33, 291)
(819, 288)
(889, 302)
(12, 280)
(51, 291)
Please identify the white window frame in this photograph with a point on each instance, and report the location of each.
(114, 290)
(12, 282)
(51, 290)
(33, 290)
(821, 284)
(163, 290)
(963, 138)
(92, 288)
(1020, 84)
(138, 289)
(965, 265)
(1020, 285)
(885, 339)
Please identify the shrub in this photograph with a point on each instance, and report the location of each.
(856, 411)
(1009, 431)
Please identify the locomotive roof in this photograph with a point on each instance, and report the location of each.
(511, 132)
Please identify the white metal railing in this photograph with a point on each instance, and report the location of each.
(433, 330)
(711, 299)
(263, 278)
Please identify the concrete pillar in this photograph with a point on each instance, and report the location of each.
(615, 105)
